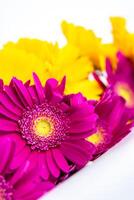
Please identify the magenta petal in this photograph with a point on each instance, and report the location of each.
(60, 160)
(74, 155)
(41, 189)
(77, 100)
(1, 85)
(82, 145)
(39, 88)
(20, 158)
(56, 97)
(52, 165)
(82, 126)
(50, 84)
(6, 113)
(78, 136)
(50, 91)
(27, 83)
(8, 104)
(25, 171)
(19, 145)
(44, 173)
(11, 94)
(61, 87)
(80, 113)
(6, 152)
(33, 93)
(23, 93)
(8, 126)
(90, 119)
(24, 189)
(34, 190)
(78, 146)
(109, 69)
(64, 106)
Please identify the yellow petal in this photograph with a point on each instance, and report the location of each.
(17, 63)
(123, 40)
(84, 39)
(90, 89)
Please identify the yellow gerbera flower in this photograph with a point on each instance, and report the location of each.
(22, 58)
(89, 45)
(48, 60)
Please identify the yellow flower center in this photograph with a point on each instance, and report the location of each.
(42, 127)
(96, 138)
(124, 91)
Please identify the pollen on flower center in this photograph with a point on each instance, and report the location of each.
(2, 194)
(42, 127)
(5, 190)
(95, 138)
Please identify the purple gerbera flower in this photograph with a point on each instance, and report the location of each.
(113, 122)
(48, 128)
(121, 79)
(23, 184)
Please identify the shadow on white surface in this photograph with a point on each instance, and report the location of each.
(111, 177)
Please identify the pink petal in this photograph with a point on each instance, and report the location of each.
(74, 155)
(60, 160)
(26, 171)
(6, 152)
(8, 104)
(33, 93)
(61, 87)
(83, 112)
(13, 96)
(8, 126)
(82, 126)
(79, 136)
(23, 93)
(33, 190)
(44, 173)
(52, 165)
(6, 113)
(77, 100)
(20, 158)
(78, 146)
(39, 88)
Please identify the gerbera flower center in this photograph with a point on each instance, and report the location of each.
(44, 126)
(125, 91)
(95, 138)
(5, 190)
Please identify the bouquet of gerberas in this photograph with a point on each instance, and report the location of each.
(77, 106)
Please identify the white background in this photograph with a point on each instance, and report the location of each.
(111, 177)
(42, 18)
